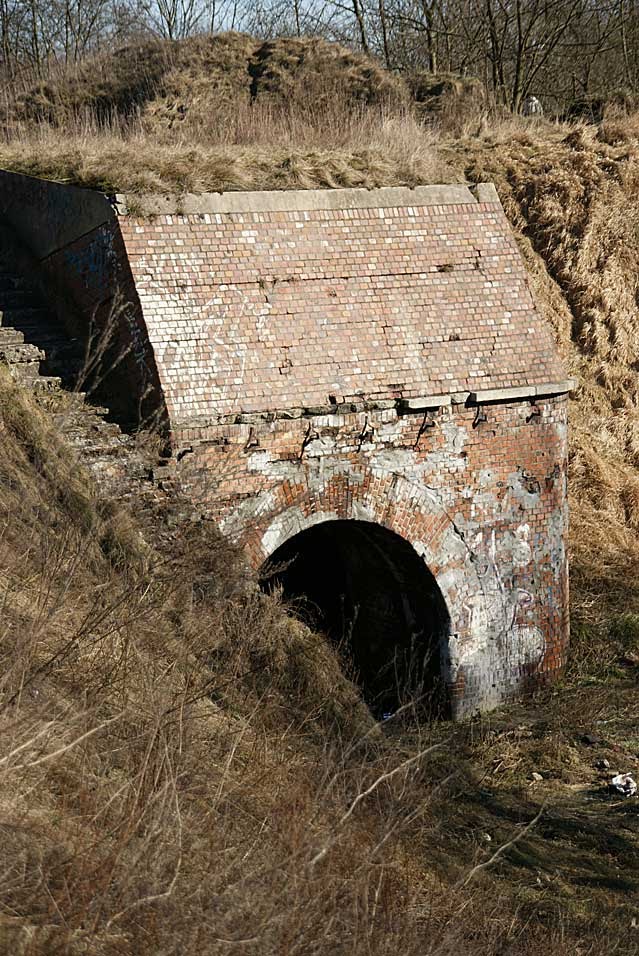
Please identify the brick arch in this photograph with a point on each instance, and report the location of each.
(395, 502)
(481, 613)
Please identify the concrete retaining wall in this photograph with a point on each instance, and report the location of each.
(74, 238)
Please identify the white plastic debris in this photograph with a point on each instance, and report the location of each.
(624, 784)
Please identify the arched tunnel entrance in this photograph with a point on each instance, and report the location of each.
(371, 593)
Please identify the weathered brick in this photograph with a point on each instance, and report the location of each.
(318, 356)
(408, 306)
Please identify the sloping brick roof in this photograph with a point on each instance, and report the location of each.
(266, 304)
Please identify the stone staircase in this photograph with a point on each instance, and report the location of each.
(41, 356)
(31, 338)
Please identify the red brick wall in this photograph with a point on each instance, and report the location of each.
(484, 504)
(289, 335)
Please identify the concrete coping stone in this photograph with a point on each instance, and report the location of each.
(524, 392)
(303, 200)
(487, 395)
(424, 402)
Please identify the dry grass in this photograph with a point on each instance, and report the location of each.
(271, 152)
(185, 769)
(220, 113)
(156, 770)
(573, 200)
(180, 759)
(188, 81)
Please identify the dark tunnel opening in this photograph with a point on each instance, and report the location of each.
(371, 593)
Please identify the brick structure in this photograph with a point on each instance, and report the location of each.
(372, 358)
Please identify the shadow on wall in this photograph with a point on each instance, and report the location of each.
(73, 238)
(371, 593)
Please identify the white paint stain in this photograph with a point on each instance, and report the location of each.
(521, 549)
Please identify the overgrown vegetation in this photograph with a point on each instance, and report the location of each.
(185, 768)
(218, 113)
(572, 197)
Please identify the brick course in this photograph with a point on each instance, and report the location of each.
(282, 308)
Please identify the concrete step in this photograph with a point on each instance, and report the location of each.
(91, 430)
(10, 336)
(79, 423)
(65, 350)
(82, 419)
(106, 449)
(46, 383)
(76, 425)
(87, 440)
(57, 348)
(40, 323)
(109, 473)
(98, 410)
(67, 368)
(19, 353)
(25, 372)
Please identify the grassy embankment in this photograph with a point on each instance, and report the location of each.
(183, 764)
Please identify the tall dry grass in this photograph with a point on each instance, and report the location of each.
(262, 147)
(219, 113)
(571, 194)
(186, 769)
(173, 80)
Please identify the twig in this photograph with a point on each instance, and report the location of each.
(366, 793)
(501, 849)
(61, 750)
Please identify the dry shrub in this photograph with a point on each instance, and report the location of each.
(193, 79)
(311, 689)
(36, 455)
